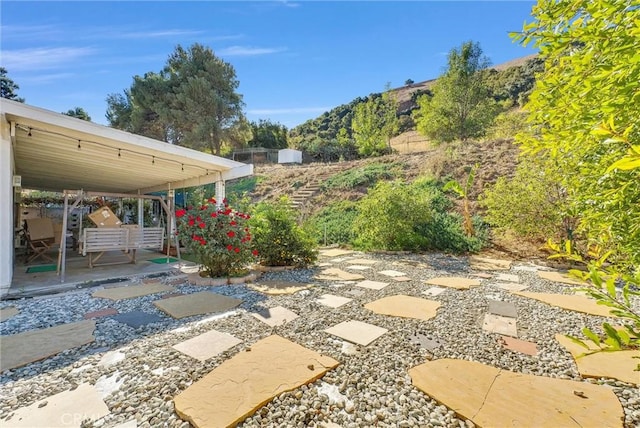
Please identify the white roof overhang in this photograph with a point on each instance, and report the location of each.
(53, 151)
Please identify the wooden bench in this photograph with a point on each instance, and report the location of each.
(125, 239)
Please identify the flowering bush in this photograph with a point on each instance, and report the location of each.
(218, 237)
(278, 238)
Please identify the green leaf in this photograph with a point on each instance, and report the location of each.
(577, 341)
(613, 338)
(625, 164)
(591, 335)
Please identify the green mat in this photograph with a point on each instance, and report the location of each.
(42, 268)
(161, 260)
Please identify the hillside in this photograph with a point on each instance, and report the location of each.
(495, 159)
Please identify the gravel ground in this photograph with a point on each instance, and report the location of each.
(370, 387)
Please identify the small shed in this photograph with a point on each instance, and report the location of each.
(289, 156)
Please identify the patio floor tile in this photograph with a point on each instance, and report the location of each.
(278, 287)
(392, 273)
(459, 283)
(132, 291)
(357, 332)
(560, 277)
(570, 302)
(207, 345)
(501, 325)
(8, 312)
(492, 397)
(101, 313)
(372, 285)
(137, 319)
(242, 384)
(275, 316)
(333, 301)
(203, 302)
(66, 409)
(405, 307)
(17, 350)
(505, 309)
(485, 263)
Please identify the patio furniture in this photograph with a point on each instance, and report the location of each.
(125, 239)
(40, 238)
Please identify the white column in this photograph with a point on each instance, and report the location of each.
(6, 207)
(220, 192)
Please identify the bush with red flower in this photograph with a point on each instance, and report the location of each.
(218, 237)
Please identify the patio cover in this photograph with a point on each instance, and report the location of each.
(55, 152)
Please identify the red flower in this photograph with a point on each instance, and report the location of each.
(203, 242)
(214, 215)
(229, 247)
(233, 223)
(202, 225)
(192, 222)
(212, 200)
(198, 218)
(181, 213)
(203, 207)
(224, 201)
(254, 252)
(231, 234)
(195, 237)
(227, 211)
(237, 250)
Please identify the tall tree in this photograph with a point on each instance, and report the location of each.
(584, 111)
(79, 113)
(8, 87)
(374, 123)
(268, 134)
(461, 106)
(192, 102)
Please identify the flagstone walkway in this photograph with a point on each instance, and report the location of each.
(211, 356)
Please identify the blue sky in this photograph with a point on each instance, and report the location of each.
(294, 60)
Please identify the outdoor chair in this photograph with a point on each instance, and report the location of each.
(40, 238)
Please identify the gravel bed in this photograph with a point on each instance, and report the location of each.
(370, 387)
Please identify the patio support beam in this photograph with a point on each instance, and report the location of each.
(62, 251)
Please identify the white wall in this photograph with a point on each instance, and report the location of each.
(289, 156)
(6, 207)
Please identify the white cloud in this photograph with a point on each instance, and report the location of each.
(293, 110)
(248, 51)
(42, 58)
(29, 32)
(43, 79)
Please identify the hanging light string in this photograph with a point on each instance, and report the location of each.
(120, 151)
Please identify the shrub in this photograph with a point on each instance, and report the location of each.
(508, 124)
(333, 224)
(399, 216)
(528, 205)
(366, 176)
(278, 238)
(218, 237)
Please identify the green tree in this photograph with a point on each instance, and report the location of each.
(374, 123)
(268, 134)
(584, 111)
(461, 106)
(8, 87)
(192, 102)
(79, 113)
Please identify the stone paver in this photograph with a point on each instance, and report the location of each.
(170, 295)
(482, 275)
(359, 267)
(492, 397)
(17, 350)
(275, 316)
(334, 252)
(510, 286)
(332, 274)
(405, 306)
(357, 332)
(508, 277)
(459, 283)
(66, 409)
(402, 279)
(204, 302)
(392, 273)
(101, 313)
(131, 291)
(573, 302)
(8, 312)
(207, 345)
(434, 291)
(275, 288)
(333, 301)
(619, 365)
(519, 345)
(372, 285)
(500, 325)
(485, 263)
(505, 309)
(239, 386)
(560, 277)
(137, 319)
(363, 261)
